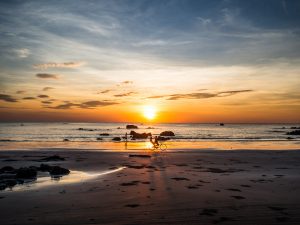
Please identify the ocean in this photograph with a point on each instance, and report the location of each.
(88, 135)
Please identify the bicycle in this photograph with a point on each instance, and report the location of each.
(160, 146)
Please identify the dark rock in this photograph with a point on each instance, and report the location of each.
(84, 129)
(116, 139)
(5, 176)
(58, 171)
(136, 135)
(130, 126)
(104, 134)
(7, 169)
(294, 132)
(26, 173)
(99, 139)
(10, 183)
(45, 168)
(221, 124)
(295, 128)
(66, 139)
(3, 186)
(167, 133)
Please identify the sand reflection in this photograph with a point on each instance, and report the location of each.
(44, 180)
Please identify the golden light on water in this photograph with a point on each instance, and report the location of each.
(149, 112)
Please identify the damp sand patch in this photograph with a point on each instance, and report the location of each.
(43, 179)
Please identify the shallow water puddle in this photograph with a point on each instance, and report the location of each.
(46, 181)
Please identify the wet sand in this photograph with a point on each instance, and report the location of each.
(195, 187)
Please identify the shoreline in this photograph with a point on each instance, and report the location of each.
(144, 146)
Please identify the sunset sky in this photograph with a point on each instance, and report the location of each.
(188, 61)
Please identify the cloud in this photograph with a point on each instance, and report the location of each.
(43, 96)
(58, 65)
(229, 93)
(192, 96)
(104, 91)
(46, 102)
(7, 98)
(125, 94)
(22, 53)
(127, 82)
(29, 98)
(47, 76)
(47, 88)
(157, 96)
(85, 105)
(204, 21)
(201, 95)
(64, 106)
(20, 92)
(93, 104)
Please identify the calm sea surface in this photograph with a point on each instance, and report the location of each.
(84, 135)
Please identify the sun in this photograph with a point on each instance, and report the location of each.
(149, 112)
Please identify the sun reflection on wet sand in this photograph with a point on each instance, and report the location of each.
(74, 177)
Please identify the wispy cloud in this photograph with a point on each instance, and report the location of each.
(85, 105)
(47, 88)
(125, 94)
(7, 98)
(20, 92)
(126, 82)
(104, 91)
(29, 98)
(64, 106)
(47, 76)
(47, 102)
(43, 96)
(22, 53)
(200, 95)
(93, 104)
(58, 65)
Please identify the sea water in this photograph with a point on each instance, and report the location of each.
(91, 135)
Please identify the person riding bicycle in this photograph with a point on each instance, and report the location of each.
(155, 143)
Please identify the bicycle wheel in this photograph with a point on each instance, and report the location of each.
(162, 147)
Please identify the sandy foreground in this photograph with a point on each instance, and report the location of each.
(195, 187)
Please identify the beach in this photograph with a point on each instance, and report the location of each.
(177, 187)
(139, 112)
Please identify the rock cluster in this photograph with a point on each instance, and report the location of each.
(294, 132)
(167, 133)
(130, 126)
(136, 135)
(10, 176)
(116, 139)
